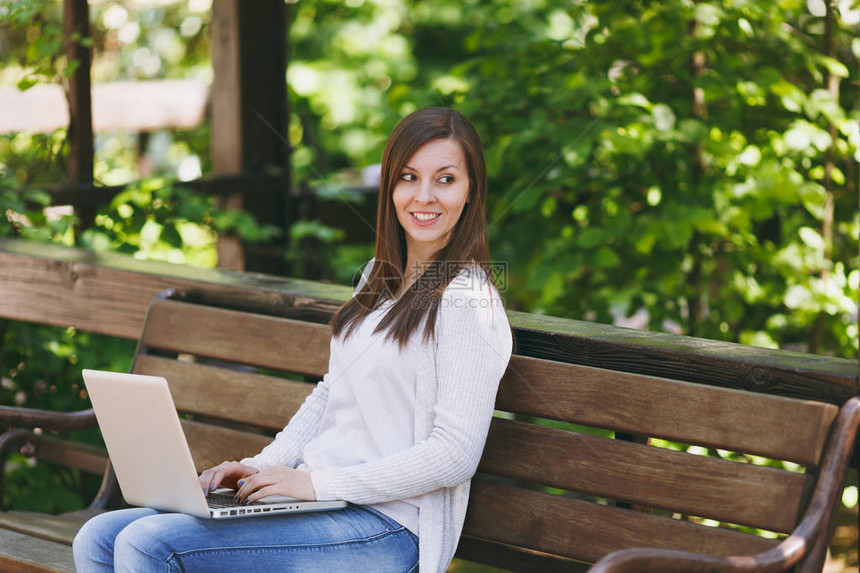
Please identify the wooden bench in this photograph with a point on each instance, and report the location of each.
(567, 477)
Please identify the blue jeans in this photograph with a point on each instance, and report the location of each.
(353, 539)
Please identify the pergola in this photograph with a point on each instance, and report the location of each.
(248, 107)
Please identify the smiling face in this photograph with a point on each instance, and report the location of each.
(429, 196)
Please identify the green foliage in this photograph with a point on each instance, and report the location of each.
(696, 211)
(22, 214)
(40, 367)
(36, 31)
(32, 158)
(154, 218)
(310, 246)
(666, 157)
(159, 219)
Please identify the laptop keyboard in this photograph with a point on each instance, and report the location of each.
(221, 500)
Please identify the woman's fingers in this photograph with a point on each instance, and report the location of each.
(263, 492)
(207, 480)
(250, 484)
(223, 473)
(277, 480)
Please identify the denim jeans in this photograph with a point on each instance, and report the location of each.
(353, 539)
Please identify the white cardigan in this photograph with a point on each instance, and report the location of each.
(458, 377)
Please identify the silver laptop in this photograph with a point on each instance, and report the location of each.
(151, 458)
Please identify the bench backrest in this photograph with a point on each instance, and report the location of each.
(547, 485)
(547, 488)
(237, 377)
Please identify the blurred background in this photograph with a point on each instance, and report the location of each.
(681, 166)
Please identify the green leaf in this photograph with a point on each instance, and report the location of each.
(635, 99)
(170, 235)
(27, 82)
(606, 257)
(40, 197)
(814, 198)
(553, 287)
(591, 237)
(834, 66)
(664, 117)
(811, 238)
(708, 14)
(71, 68)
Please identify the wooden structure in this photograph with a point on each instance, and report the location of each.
(605, 494)
(248, 112)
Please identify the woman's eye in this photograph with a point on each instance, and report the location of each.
(446, 180)
(408, 177)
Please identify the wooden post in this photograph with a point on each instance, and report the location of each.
(249, 113)
(76, 26)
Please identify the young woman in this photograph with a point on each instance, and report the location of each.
(397, 425)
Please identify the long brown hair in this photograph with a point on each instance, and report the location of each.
(467, 245)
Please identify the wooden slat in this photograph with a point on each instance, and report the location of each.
(727, 491)
(514, 558)
(21, 553)
(229, 394)
(109, 294)
(85, 457)
(691, 413)
(210, 445)
(587, 531)
(246, 338)
(56, 528)
(712, 362)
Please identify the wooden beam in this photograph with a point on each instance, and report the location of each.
(157, 105)
(76, 25)
(264, 37)
(249, 109)
(227, 132)
(249, 90)
(226, 88)
(88, 195)
(729, 365)
(110, 293)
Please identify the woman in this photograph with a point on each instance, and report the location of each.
(397, 425)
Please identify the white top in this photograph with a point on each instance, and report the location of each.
(458, 375)
(371, 406)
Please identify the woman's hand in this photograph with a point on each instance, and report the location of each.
(225, 474)
(278, 480)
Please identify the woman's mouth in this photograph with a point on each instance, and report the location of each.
(424, 217)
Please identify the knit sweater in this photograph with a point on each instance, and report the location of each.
(458, 374)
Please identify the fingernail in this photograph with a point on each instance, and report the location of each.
(245, 501)
(241, 482)
(212, 487)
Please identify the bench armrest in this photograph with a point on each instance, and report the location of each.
(13, 417)
(642, 560)
(808, 541)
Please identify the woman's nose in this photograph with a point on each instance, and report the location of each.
(426, 193)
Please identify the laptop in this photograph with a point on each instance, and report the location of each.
(150, 455)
